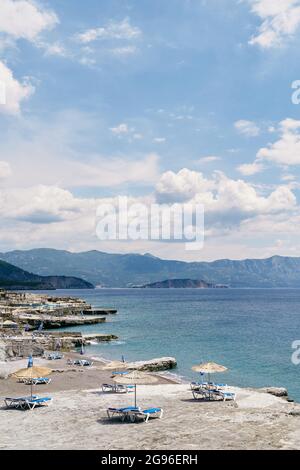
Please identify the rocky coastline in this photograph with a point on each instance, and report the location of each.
(26, 318)
(30, 324)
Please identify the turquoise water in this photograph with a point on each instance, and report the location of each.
(248, 330)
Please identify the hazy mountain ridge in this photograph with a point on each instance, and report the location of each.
(121, 270)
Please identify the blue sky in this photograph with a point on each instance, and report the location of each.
(175, 100)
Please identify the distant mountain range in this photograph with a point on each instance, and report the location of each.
(12, 277)
(182, 284)
(117, 270)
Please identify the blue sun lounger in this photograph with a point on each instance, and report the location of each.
(146, 414)
(227, 395)
(123, 372)
(17, 402)
(203, 393)
(30, 404)
(38, 381)
(122, 413)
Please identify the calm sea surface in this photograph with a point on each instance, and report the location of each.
(248, 330)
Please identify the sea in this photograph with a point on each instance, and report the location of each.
(250, 331)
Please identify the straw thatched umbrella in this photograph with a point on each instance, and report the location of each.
(31, 372)
(209, 368)
(135, 378)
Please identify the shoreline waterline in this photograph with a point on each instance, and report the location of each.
(250, 331)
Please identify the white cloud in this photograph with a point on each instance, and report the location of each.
(120, 129)
(159, 140)
(137, 136)
(25, 19)
(113, 30)
(123, 130)
(230, 200)
(280, 21)
(286, 150)
(236, 217)
(5, 170)
(39, 204)
(288, 177)
(181, 186)
(124, 51)
(107, 172)
(247, 128)
(52, 150)
(53, 49)
(22, 19)
(15, 92)
(249, 169)
(209, 159)
(88, 61)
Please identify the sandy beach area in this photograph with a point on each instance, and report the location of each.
(77, 418)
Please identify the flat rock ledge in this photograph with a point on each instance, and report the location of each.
(52, 321)
(276, 391)
(154, 365)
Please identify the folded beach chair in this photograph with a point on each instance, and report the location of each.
(17, 402)
(146, 414)
(122, 413)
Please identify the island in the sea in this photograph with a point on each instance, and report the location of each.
(183, 284)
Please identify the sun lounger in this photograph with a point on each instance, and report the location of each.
(202, 393)
(146, 414)
(196, 385)
(117, 388)
(122, 413)
(226, 395)
(17, 402)
(124, 372)
(82, 362)
(86, 363)
(22, 380)
(30, 404)
(55, 356)
(38, 381)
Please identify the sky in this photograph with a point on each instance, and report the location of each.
(167, 102)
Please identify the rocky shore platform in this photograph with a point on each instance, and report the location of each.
(28, 321)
